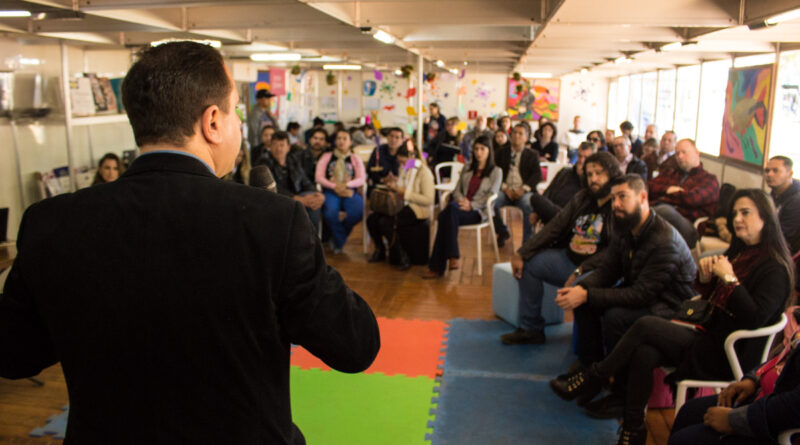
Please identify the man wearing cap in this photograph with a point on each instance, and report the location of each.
(260, 117)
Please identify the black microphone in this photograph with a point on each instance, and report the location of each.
(261, 177)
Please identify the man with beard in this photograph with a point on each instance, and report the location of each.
(647, 269)
(578, 232)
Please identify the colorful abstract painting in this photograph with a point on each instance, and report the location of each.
(534, 99)
(748, 101)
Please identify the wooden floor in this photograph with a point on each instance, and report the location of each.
(391, 293)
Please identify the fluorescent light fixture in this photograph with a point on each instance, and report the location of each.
(671, 46)
(440, 64)
(622, 60)
(15, 13)
(321, 59)
(584, 71)
(211, 43)
(398, 73)
(786, 16)
(341, 67)
(275, 57)
(383, 36)
(29, 61)
(538, 75)
(454, 71)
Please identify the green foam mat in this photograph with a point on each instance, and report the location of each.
(360, 409)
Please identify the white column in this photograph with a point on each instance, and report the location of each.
(419, 101)
(68, 114)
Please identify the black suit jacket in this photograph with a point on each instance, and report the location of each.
(171, 298)
(638, 167)
(529, 167)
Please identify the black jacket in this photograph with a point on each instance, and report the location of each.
(550, 149)
(656, 268)
(171, 299)
(638, 167)
(529, 168)
(780, 411)
(788, 204)
(296, 176)
(557, 232)
(563, 187)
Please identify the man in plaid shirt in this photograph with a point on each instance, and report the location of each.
(684, 194)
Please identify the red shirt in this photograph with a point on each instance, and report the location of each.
(474, 184)
(700, 195)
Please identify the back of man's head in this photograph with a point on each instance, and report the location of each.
(166, 92)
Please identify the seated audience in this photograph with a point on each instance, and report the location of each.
(241, 168)
(337, 127)
(316, 124)
(407, 232)
(628, 162)
(609, 141)
(479, 129)
(748, 288)
(446, 146)
(293, 130)
(572, 138)
(258, 150)
(504, 123)
(562, 188)
(536, 135)
(575, 234)
(650, 132)
(468, 205)
(290, 177)
(647, 269)
(596, 137)
(786, 195)
(684, 194)
(491, 124)
(649, 147)
(382, 165)
(521, 173)
(501, 139)
(308, 155)
(341, 173)
(627, 132)
(664, 158)
(366, 135)
(546, 144)
(108, 169)
(754, 410)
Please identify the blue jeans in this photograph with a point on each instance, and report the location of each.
(313, 215)
(353, 206)
(551, 266)
(523, 203)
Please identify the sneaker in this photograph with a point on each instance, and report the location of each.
(523, 337)
(611, 406)
(584, 383)
(632, 436)
(502, 237)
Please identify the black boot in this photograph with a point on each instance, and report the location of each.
(632, 436)
(586, 383)
(378, 256)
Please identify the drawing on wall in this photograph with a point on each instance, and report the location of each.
(369, 88)
(746, 116)
(533, 98)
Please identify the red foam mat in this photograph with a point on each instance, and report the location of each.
(409, 347)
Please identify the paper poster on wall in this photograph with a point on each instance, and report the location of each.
(746, 116)
(327, 102)
(370, 87)
(372, 103)
(350, 104)
(277, 81)
(530, 99)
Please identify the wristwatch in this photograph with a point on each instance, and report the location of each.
(730, 278)
(577, 271)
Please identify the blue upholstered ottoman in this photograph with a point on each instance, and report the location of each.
(505, 297)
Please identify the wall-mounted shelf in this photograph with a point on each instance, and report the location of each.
(101, 119)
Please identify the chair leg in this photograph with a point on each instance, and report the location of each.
(680, 397)
(494, 244)
(479, 241)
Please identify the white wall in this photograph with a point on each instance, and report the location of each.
(586, 96)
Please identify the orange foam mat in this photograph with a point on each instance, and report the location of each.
(409, 347)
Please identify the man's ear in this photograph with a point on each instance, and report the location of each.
(210, 123)
(643, 196)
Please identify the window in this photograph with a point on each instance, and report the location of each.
(758, 59)
(635, 103)
(612, 105)
(665, 101)
(786, 117)
(712, 105)
(649, 91)
(688, 93)
(623, 90)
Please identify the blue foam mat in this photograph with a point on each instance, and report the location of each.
(56, 425)
(473, 347)
(496, 394)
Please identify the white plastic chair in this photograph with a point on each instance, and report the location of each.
(552, 170)
(455, 172)
(786, 437)
(364, 217)
(733, 360)
(480, 226)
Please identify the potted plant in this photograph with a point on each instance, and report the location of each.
(406, 70)
(295, 70)
(330, 78)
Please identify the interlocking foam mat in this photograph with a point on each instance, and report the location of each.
(56, 425)
(496, 394)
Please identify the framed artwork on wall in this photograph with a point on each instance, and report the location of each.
(748, 101)
(530, 99)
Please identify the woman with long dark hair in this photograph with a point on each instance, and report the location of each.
(108, 169)
(747, 288)
(467, 205)
(546, 143)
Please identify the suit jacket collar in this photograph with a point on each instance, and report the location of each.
(168, 162)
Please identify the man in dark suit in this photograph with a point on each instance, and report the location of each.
(628, 162)
(521, 173)
(169, 296)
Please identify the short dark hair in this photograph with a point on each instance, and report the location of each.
(170, 87)
(318, 121)
(524, 125)
(319, 130)
(652, 142)
(398, 129)
(402, 151)
(626, 126)
(634, 181)
(292, 126)
(280, 136)
(787, 163)
(586, 145)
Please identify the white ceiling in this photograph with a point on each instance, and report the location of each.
(555, 36)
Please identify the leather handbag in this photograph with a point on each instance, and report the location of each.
(697, 312)
(385, 202)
